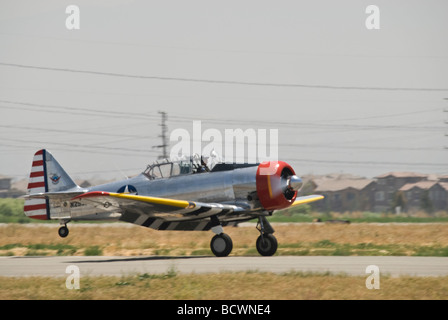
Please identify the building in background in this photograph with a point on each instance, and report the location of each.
(389, 184)
(429, 196)
(389, 192)
(345, 194)
(7, 189)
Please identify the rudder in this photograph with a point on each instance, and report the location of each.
(46, 175)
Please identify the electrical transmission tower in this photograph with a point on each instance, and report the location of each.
(164, 137)
(446, 121)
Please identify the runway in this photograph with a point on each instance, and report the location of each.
(119, 266)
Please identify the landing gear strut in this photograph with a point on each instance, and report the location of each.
(266, 242)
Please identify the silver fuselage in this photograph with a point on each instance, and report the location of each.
(236, 187)
(230, 187)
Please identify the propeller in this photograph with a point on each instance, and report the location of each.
(277, 185)
(288, 184)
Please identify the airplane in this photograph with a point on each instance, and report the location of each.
(183, 194)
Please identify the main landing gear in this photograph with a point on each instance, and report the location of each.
(221, 244)
(63, 230)
(266, 242)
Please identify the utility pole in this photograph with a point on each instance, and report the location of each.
(446, 121)
(164, 136)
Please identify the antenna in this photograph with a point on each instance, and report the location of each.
(164, 136)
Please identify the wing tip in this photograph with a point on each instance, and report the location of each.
(308, 199)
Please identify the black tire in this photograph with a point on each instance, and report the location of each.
(267, 245)
(63, 231)
(221, 245)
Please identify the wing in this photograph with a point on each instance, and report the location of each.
(159, 213)
(307, 199)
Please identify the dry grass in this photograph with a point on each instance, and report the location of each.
(130, 240)
(133, 240)
(222, 286)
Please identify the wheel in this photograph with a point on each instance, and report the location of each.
(267, 244)
(221, 245)
(63, 231)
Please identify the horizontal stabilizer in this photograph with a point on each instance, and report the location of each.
(62, 195)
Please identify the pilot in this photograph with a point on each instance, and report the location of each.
(203, 167)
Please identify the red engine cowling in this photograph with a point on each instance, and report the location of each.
(273, 188)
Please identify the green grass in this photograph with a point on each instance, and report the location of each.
(323, 247)
(11, 211)
(39, 249)
(358, 217)
(93, 251)
(329, 248)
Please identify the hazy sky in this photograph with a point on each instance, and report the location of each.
(343, 98)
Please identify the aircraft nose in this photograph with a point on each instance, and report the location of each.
(295, 182)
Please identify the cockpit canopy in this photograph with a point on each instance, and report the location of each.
(168, 168)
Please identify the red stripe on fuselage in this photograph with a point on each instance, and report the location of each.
(91, 194)
(35, 207)
(39, 217)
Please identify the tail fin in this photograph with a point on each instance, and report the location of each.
(46, 175)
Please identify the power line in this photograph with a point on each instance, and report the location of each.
(227, 82)
(314, 125)
(89, 133)
(78, 110)
(368, 162)
(357, 147)
(186, 118)
(82, 146)
(223, 50)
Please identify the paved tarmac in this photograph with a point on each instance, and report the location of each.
(118, 266)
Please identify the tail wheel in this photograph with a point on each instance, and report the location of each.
(63, 231)
(221, 245)
(267, 244)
